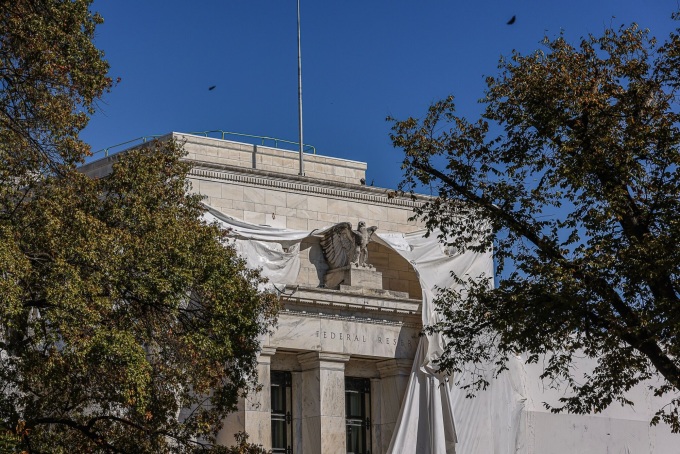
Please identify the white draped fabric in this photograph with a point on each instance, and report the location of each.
(427, 418)
(275, 251)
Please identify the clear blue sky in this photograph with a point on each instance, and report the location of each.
(362, 61)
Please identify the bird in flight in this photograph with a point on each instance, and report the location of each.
(212, 87)
(512, 20)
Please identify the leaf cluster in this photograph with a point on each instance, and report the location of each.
(51, 75)
(572, 176)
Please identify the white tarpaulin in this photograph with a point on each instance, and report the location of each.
(275, 251)
(426, 419)
(435, 416)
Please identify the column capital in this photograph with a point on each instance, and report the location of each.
(265, 355)
(391, 367)
(312, 360)
(267, 351)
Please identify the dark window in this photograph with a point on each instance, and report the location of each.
(282, 435)
(358, 415)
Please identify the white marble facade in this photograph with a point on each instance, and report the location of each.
(323, 335)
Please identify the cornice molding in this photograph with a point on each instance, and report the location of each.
(308, 185)
(347, 318)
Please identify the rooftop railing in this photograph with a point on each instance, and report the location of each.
(217, 134)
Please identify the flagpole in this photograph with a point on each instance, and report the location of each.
(302, 165)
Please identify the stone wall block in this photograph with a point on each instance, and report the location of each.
(233, 423)
(255, 195)
(396, 262)
(391, 227)
(246, 157)
(254, 217)
(210, 188)
(298, 201)
(414, 290)
(399, 285)
(264, 208)
(378, 259)
(227, 162)
(303, 277)
(242, 205)
(328, 217)
(306, 214)
(339, 171)
(314, 224)
(207, 150)
(398, 215)
(284, 211)
(358, 210)
(220, 204)
(295, 223)
(269, 168)
(317, 204)
(276, 198)
(313, 278)
(235, 213)
(232, 191)
(409, 275)
(377, 212)
(390, 274)
(338, 207)
(276, 220)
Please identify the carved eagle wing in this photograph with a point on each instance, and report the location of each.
(338, 245)
(370, 231)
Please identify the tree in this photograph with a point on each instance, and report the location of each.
(572, 176)
(130, 326)
(126, 322)
(243, 447)
(51, 75)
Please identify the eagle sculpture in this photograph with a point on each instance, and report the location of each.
(343, 246)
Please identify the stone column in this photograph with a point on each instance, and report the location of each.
(296, 410)
(394, 374)
(253, 414)
(323, 402)
(376, 416)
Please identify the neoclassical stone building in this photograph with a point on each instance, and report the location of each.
(336, 368)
